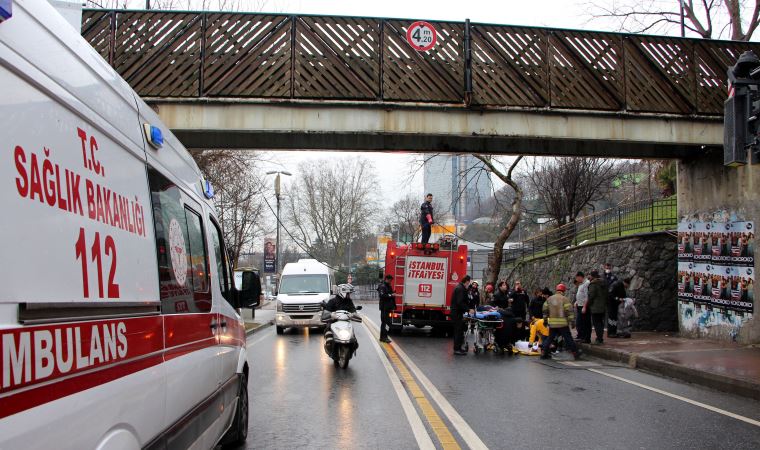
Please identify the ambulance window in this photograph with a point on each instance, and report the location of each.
(182, 270)
(221, 261)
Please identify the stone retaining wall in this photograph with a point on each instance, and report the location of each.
(650, 259)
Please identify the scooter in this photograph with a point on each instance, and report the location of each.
(340, 340)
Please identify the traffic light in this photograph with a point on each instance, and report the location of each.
(742, 112)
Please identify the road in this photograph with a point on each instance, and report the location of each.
(298, 399)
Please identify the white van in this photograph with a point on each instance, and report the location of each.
(304, 285)
(117, 320)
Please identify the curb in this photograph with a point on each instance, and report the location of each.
(660, 367)
(259, 328)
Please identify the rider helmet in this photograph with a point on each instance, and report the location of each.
(344, 290)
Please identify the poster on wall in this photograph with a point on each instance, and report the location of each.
(720, 285)
(743, 244)
(702, 242)
(720, 235)
(685, 241)
(702, 284)
(270, 255)
(685, 281)
(741, 296)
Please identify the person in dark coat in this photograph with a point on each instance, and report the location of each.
(520, 301)
(615, 295)
(473, 295)
(501, 297)
(536, 307)
(387, 303)
(459, 305)
(597, 304)
(426, 218)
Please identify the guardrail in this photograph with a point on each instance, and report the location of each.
(633, 218)
(242, 55)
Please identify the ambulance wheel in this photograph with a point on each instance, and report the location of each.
(280, 329)
(238, 432)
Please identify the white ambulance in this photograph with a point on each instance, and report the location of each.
(117, 321)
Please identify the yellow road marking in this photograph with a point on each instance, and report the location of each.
(445, 438)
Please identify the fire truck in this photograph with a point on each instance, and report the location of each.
(424, 277)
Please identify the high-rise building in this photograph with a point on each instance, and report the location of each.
(460, 184)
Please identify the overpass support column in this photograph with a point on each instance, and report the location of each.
(709, 191)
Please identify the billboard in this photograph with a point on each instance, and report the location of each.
(270, 255)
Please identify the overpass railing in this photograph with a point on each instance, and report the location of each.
(644, 216)
(244, 55)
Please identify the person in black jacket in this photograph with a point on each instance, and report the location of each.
(519, 301)
(501, 297)
(473, 296)
(426, 218)
(616, 295)
(387, 303)
(341, 301)
(459, 305)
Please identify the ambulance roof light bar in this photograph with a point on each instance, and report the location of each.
(6, 10)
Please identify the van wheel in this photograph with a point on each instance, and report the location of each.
(280, 329)
(238, 432)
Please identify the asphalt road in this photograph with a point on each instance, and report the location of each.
(298, 399)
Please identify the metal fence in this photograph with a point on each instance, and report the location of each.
(243, 55)
(633, 218)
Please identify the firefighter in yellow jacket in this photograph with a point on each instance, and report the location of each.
(558, 312)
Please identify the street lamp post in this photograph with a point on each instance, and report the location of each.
(277, 214)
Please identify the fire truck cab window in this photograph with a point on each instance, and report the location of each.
(180, 249)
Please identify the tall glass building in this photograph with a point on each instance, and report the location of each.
(459, 184)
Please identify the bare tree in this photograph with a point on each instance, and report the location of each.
(330, 205)
(498, 169)
(238, 195)
(737, 19)
(567, 185)
(403, 216)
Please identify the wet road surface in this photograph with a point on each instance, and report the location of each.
(299, 400)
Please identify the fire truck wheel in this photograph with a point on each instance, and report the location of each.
(238, 432)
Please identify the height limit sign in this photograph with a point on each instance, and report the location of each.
(421, 36)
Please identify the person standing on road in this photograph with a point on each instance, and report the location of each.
(583, 318)
(558, 312)
(597, 305)
(616, 296)
(473, 296)
(426, 218)
(501, 297)
(520, 301)
(387, 303)
(459, 305)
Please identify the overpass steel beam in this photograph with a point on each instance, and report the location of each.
(327, 126)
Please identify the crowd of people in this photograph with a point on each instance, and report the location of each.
(545, 321)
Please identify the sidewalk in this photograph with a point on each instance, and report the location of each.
(723, 366)
(264, 318)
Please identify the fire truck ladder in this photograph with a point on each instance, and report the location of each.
(398, 285)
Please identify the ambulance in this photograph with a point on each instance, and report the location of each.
(118, 327)
(424, 278)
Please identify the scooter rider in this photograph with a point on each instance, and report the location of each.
(341, 301)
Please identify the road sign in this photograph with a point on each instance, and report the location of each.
(421, 36)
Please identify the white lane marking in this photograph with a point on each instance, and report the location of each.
(415, 421)
(678, 397)
(256, 341)
(465, 431)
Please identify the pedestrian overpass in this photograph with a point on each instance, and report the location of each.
(258, 81)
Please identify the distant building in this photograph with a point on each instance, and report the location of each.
(459, 184)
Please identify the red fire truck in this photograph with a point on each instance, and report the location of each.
(424, 277)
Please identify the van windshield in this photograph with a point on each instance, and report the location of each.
(304, 284)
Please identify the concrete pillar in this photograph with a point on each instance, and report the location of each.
(707, 190)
